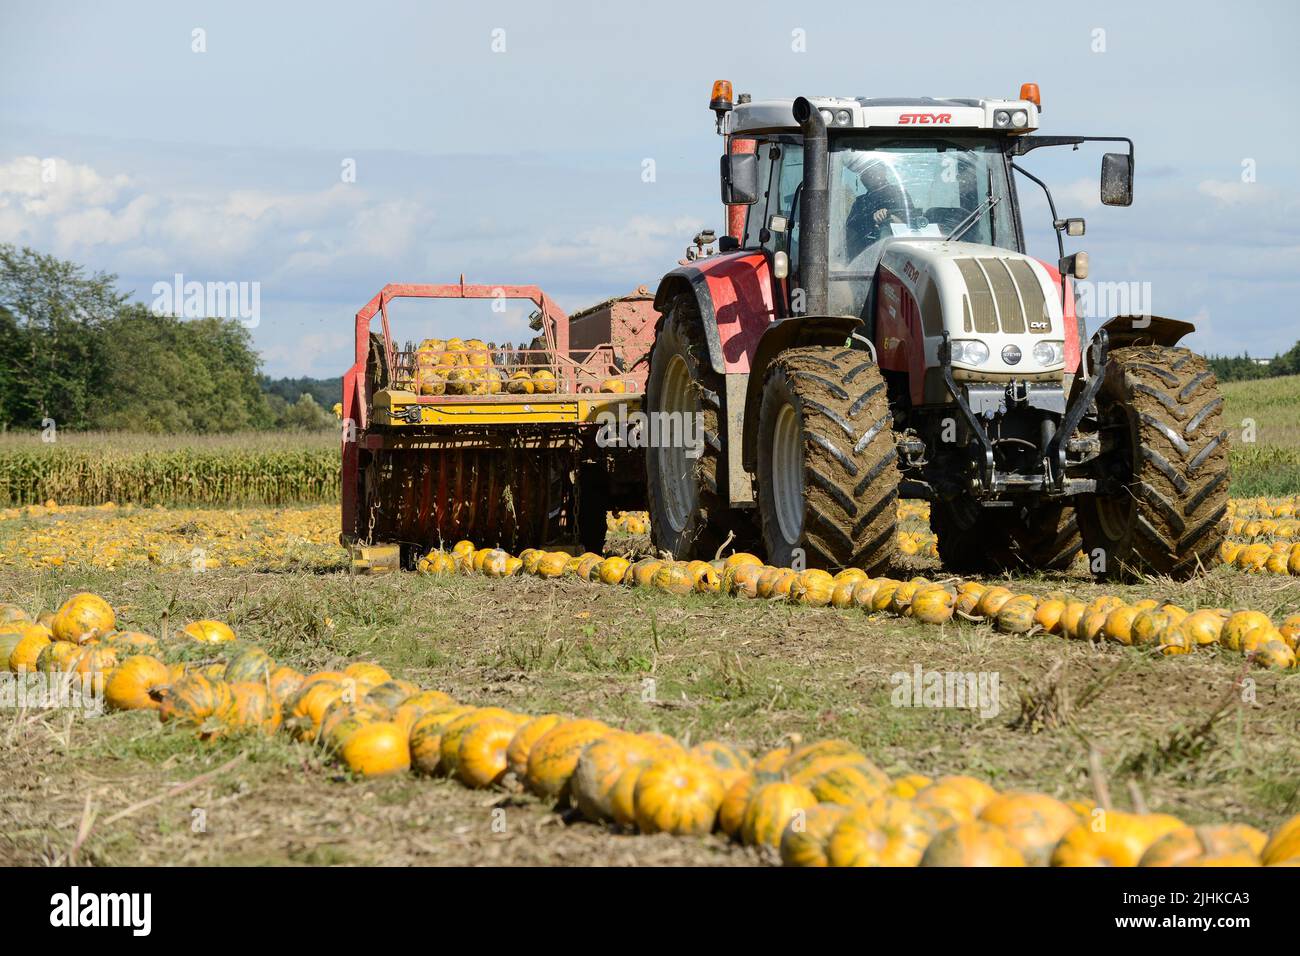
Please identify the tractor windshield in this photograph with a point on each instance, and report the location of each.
(911, 187)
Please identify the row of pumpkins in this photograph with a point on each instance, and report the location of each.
(816, 804)
(1171, 629)
(1276, 557)
(1286, 507)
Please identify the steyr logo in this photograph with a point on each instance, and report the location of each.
(924, 119)
(103, 909)
(911, 271)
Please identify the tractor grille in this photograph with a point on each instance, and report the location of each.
(1004, 295)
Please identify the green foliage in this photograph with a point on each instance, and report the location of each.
(1242, 367)
(324, 391)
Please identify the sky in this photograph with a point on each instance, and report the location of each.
(323, 149)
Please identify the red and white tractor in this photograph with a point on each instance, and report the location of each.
(871, 328)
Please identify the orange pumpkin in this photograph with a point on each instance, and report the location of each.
(253, 707)
(723, 757)
(598, 770)
(1017, 615)
(132, 642)
(390, 693)
(304, 711)
(481, 761)
(678, 795)
(1112, 839)
(805, 839)
(933, 604)
(642, 573)
(377, 749)
(842, 781)
(94, 664)
(455, 731)
(991, 601)
(770, 809)
(864, 592)
(1119, 624)
(1188, 845)
(1148, 626)
(972, 844)
(284, 682)
(554, 757)
(1048, 615)
(248, 665)
(612, 570)
(1204, 626)
(522, 742)
(1284, 845)
(82, 616)
(209, 632)
(1238, 627)
(22, 658)
(134, 683)
(425, 737)
(366, 675)
(194, 699)
(742, 580)
(812, 587)
(775, 583)
(886, 832)
(909, 785)
(342, 719)
(1033, 822)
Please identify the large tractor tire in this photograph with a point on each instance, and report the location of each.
(827, 463)
(978, 540)
(689, 514)
(1163, 439)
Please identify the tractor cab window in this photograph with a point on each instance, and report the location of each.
(914, 188)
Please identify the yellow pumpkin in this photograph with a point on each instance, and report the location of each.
(522, 742)
(598, 770)
(843, 781)
(1113, 839)
(991, 601)
(742, 580)
(1118, 627)
(377, 749)
(22, 658)
(1204, 626)
(554, 757)
(481, 760)
(94, 664)
(678, 795)
(770, 809)
(1237, 627)
(813, 587)
(424, 739)
(909, 785)
(674, 578)
(1048, 615)
(1284, 844)
(804, 841)
(883, 595)
(1189, 844)
(1033, 822)
(864, 592)
(252, 707)
(134, 683)
(972, 844)
(775, 583)
(961, 798)
(932, 604)
(454, 733)
(553, 564)
(82, 616)
(284, 681)
(1017, 615)
(886, 832)
(1071, 618)
(209, 632)
(612, 570)
(1148, 626)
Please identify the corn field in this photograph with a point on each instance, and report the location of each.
(187, 470)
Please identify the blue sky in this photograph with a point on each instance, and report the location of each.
(525, 165)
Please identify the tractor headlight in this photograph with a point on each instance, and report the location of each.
(1019, 118)
(969, 351)
(1049, 353)
(842, 117)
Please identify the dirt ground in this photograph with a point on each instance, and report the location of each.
(1179, 735)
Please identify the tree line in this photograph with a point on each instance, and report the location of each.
(76, 352)
(1238, 368)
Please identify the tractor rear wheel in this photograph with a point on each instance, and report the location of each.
(827, 464)
(1163, 439)
(976, 540)
(689, 514)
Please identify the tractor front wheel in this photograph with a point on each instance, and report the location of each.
(1164, 444)
(827, 463)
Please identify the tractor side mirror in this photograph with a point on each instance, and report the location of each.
(1116, 179)
(739, 179)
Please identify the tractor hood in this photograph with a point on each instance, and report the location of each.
(1001, 309)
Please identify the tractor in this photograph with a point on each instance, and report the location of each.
(871, 328)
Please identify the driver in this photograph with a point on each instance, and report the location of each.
(884, 201)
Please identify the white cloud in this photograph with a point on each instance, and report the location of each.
(1234, 191)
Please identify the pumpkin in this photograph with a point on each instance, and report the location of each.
(909, 785)
(83, 615)
(900, 602)
(1190, 844)
(522, 742)
(968, 599)
(24, 654)
(1048, 615)
(972, 844)
(132, 642)
(886, 832)
(708, 581)
(208, 632)
(1017, 615)
(843, 782)
(804, 841)
(430, 700)
(58, 657)
(770, 809)
(214, 671)
(1175, 640)
(674, 578)
(553, 564)
(532, 559)
(9, 638)
(253, 707)
(284, 682)
(932, 604)
(775, 583)
(194, 699)
(366, 675)
(1284, 844)
(12, 612)
(991, 601)
(342, 719)
(1274, 653)
(864, 592)
(1118, 627)
(731, 812)
(842, 594)
(678, 795)
(376, 749)
(622, 795)
(134, 682)
(481, 761)
(391, 693)
(425, 738)
(1033, 823)
(1120, 840)
(1204, 626)
(1148, 626)
(812, 587)
(248, 665)
(883, 596)
(612, 570)
(1071, 617)
(1290, 630)
(455, 731)
(304, 711)
(723, 757)
(642, 573)
(806, 755)
(554, 757)
(598, 770)
(94, 664)
(1239, 625)
(957, 797)
(742, 580)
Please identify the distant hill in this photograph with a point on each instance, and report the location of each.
(324, 391)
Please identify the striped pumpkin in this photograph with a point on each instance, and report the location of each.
(248, 664)
(523, 740)
(770, 809)
(481, 760)
(193, 699)
(425, 738)
(804, 842)
(970, 845)
(554, 757)
(1033, 822)
(886, 832)
(678, 795)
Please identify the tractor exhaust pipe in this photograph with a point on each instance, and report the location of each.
(814, 210)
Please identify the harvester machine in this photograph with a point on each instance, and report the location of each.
(463, 439)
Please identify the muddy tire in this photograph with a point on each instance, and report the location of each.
(1163, 440)
(827, 464)
(689, 516)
